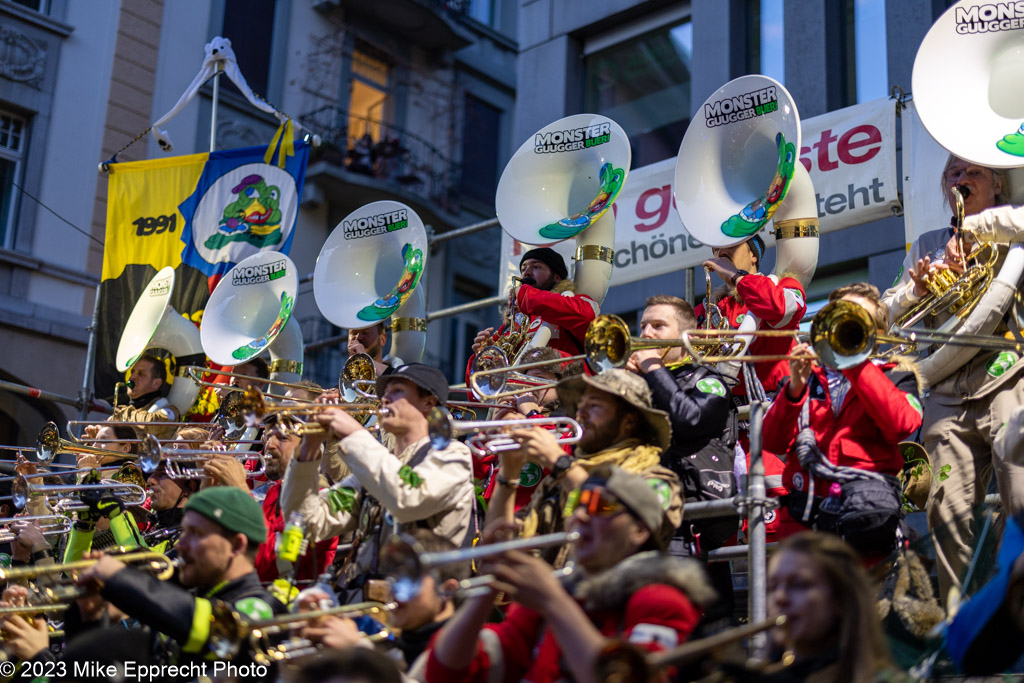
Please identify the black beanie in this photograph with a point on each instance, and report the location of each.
(549, 257)
(757, 246)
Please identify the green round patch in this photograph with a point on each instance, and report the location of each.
(5, 560)
(663, 490)
(1001, 362)
(739, 319)
(530, 475)
(710, 385)
(255, 608)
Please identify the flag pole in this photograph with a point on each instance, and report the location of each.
(213, 109)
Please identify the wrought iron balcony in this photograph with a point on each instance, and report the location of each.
(387, 153)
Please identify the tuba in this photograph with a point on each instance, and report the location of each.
(558, 185)
(154, 323)
(985, 126)
(734, 176)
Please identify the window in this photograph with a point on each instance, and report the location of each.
(766, 54)
(480, 149)
(643, 84)
(12, 146)
(368, 94)
(866, 71)
(41, 6)
(249, 25)
(482, 11)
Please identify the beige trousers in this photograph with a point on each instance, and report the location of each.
(970, 438)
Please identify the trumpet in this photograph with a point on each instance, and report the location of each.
(410, 563)
(152, 454)
(49, 445)
(22, 491)
(488, 436)
(621, 663)
(157, 564)
(49, 525)
(256, 409)
(491, 358)
(229, 630)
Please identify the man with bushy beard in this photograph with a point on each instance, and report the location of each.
(278, 449)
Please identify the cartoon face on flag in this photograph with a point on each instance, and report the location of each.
(200, 214)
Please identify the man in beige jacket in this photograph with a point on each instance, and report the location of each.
(416, 486)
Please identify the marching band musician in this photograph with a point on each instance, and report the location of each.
(704, 432)
(417, 485)
(628, 589)
(620, 427)
(777, 302)
(546, 295)
(527, 405)
(221, 531)
(371, 341)
(964, 412)
(842, 428)
(147, 390)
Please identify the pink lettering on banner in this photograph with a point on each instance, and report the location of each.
(863, 136)
(664, 202)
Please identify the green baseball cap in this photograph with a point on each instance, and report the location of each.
(232, 508)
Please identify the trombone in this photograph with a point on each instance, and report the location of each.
(22, 491)
(49, 445)
(196, 373)
(489, 436)
(49, 525)
(152, 454)
(228, 417)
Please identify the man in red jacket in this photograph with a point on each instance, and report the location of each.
(840, 429)
(648, 599)
(546, 296)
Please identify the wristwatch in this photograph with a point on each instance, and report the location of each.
(737, 275)
(562, 465)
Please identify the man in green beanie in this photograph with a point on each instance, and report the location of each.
(221, 531)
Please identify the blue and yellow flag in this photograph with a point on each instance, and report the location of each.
(200, 214)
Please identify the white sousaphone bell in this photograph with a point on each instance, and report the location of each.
(967, 89)
(250, 312)
(561, 183)
(738, 167)
(967, 84)
(154, 323)
(369, 269)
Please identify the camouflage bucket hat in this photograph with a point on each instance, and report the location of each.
(630, 388)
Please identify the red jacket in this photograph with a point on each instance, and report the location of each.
(778, 306)
(266, 555)
(875, 416)
(655, 617)
(570, 313)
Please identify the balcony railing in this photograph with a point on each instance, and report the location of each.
(388, 153)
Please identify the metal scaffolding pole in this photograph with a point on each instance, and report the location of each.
(757, 599)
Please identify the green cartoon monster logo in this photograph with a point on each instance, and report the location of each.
(390, 302)
(611, 183)
(254, 217)
(256, 346)
(754, 215)
(1013, 143)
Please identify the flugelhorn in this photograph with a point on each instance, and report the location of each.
(493, 386)
(256, 410)
(152, 453)
(489, 436)
(263, 633)
(49, 525)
